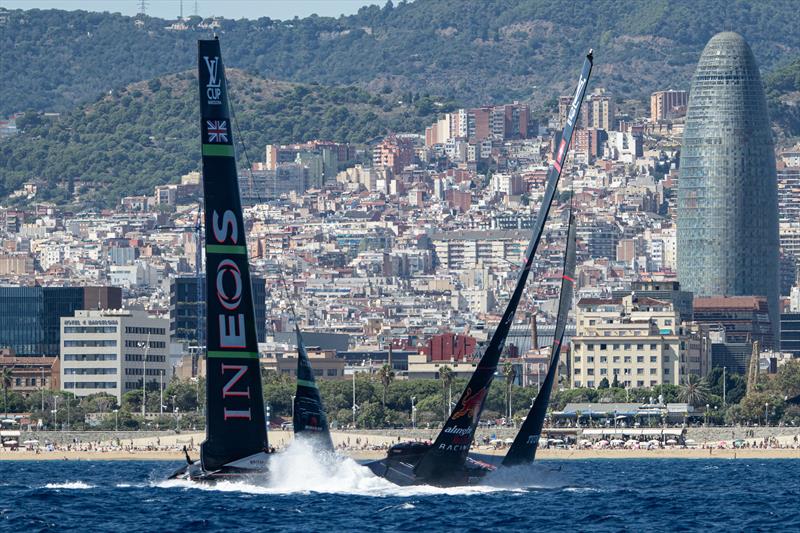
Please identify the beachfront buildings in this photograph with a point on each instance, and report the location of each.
(110, 351)
(635, 342)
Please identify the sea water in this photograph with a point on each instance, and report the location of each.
(311, 492)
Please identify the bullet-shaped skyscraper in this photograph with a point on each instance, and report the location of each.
(727, 192)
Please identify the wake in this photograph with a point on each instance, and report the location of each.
(303, 469)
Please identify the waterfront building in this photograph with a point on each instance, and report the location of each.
(640, 341)
(111, 351)
(29, 316)
(325, 363)
(30, 374)
(727, 201)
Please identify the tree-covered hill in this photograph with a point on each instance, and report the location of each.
(147, 134)
(476, 51)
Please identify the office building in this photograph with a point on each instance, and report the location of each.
(29, 316)
(110, 351)
(187, 309)
(727, 201)
(745, 319)
(790, 333)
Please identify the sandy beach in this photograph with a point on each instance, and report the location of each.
(362, 446)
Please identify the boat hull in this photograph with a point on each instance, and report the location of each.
(400, 470)
(248, 468)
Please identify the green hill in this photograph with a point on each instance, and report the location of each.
(147, 133)
(476, 51)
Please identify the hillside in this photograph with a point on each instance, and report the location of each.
(147, 133)
(475, 51)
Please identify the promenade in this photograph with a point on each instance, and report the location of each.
(709, 442)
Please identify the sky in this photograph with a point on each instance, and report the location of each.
(169, 9)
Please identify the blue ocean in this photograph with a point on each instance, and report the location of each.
(586, 495)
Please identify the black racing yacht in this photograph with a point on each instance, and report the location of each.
(236, 431)
(236, 442)
(446, 462)
(309, 421)
(526, 442)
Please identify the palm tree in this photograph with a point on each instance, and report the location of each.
(510, 373)
(694, 391)
(446, 375)
(5, 376)
(386, 375)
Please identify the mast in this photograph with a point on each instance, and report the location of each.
(523, 450)
(309, 419)
(235, 423)
(450, 449)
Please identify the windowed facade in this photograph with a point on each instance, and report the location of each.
(727, 224)
(122, 346)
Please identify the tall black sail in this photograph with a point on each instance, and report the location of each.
(309, 419)
(523, 449)
(449, 450)
(235, 423)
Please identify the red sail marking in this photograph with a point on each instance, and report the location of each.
(470, 403)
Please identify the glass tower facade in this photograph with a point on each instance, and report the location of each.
(727, 228)
(30, 317)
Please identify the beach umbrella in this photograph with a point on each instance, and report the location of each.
(509, 441)
(617, 442)
(672, 441)
(556, 441)
(10, 443)
(33, 441)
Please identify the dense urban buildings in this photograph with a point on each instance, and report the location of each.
(727, 204)
(404, 250)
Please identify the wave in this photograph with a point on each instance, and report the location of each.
(303, 469)
(72, 485)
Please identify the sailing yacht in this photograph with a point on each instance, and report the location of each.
(446, 462)
(236, 441)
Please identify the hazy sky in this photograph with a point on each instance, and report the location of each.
(169, 9)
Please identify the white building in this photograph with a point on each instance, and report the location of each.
(104, 351)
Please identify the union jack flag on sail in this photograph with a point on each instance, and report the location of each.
(217, 131)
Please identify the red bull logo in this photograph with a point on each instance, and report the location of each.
(470, 403)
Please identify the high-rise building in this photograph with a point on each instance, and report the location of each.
(187, 301)
(29, 316)
(727, 200)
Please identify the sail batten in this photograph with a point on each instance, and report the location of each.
(235, 422)
(450, 449)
